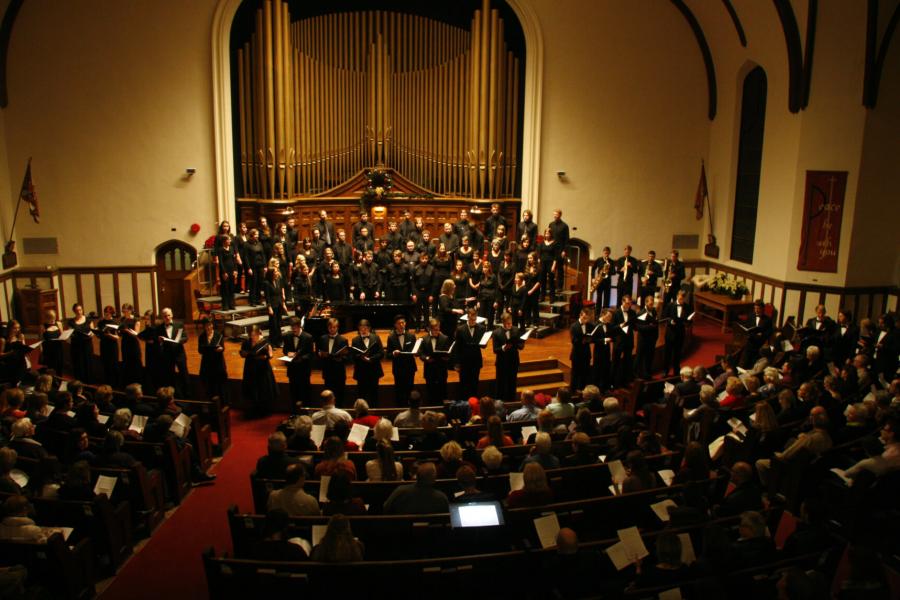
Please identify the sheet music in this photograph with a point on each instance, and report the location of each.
(661, 509)
(65, 335)
(181, 426)
(415, 348)
(527, 334)
(687, 549)
(358, 434)
(102, 419)
(324, 481)
(485, 338)
(690, 317)
(317, 435)
(617, 471)
(36, 345)
(526, 432)
(547, 528)
(667, 475)
(395, 434)
(643, 317)
(20, 477)
(105, 485)
(286, 359)
(634, 545)
(138, 422)
(318, 532)
(516, 481)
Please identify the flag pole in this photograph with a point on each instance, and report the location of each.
(18, 203)
(708, 205)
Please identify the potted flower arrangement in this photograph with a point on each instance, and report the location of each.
(727, 286)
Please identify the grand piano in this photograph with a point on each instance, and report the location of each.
(348, 313)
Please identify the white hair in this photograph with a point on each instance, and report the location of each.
(611, 404)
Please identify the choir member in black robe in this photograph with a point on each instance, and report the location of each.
(274, 293)
(333, 352)
(81, 345)
(172, 337)
(448, 310)
(298, 346)
(258, 383)
(228, 262)
(603, 338)
(580, 355)
(367, 352)
(507, 342)
(676, 314)
(51, 349)
(403, 364)
(647, 327)
(467, 354)
(108, 331)
(435, 354)
(623, 348)
(152, 361)
(213, 371)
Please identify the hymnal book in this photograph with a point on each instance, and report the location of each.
(415, 348)
(687, 549)
(485, 338)
(596, 329)
(516, 481)
(138, 422)
(737, 426)
(527, 334)
(661, 509)
(111, 326)
(261, 348)
(318, 532)
(65, 335)
(317, 435)
(181, 426)
(526, 432)
(324, 480)
(617, 471)
(547, 528)
(105, 485)
(667, 475)
(624, 328)
(360, 350)
(618, 554)
(358, 434)
(447, 351)
(746, 329)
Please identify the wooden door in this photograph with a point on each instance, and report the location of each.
(174, 262)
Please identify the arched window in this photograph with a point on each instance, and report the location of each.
(746, 194)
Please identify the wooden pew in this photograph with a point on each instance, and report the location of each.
(142, 490)
(174, 463)
(66, 572)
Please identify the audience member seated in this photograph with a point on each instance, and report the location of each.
(165, 402)
(639, 476)
(23, 440)
(275, 544)
(889, 460)
(734, 394)
(694, 465)
(495, 435)
(291, 498)
(528, 411)
(411, 417)
(275, 463)
(341, 500)
(334, 459)
(625, 442)
(753, 546)
(468, 485)
(743, 493)
(569, 564)
(771, 382)
(810, 534)
(591, 399)
(545, 424)
(542, 453)
(806, 446)
(86, 416)
(300, 440)
(562, 407)
(764, 436)
(419, 497)
(451, 460)
(788, 409)
(430, 439)
(614, 418)
(112, 455)
(103, 398)
(383, 432)
(338, 544)
(121, 422)
(60, 419)
(688, 386)
(37, 407)
(584, 422)
(8, 458)
(583, 453)
(492, 462)
(81, 446)
(329, 414)
(762, 363)
(856, 424)
(341, 430)
(668, 568)
(716, 553)
(77, 484)
(649, 443)
(384, 467)
(729, 369)
(536, 491)
(12, 401)
(17, 523)
(361, 414)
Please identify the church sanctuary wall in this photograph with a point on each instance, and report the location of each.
(113, 100)
(625, 116)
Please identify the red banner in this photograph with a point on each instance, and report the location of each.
(823, 211)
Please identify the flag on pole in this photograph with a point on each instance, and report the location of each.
(27, 194)
(702, 193)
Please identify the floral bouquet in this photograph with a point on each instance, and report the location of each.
(727, 286)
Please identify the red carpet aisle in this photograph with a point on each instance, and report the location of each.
(169, 565)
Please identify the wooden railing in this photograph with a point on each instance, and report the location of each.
(799, 300)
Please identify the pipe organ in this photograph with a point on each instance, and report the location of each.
(324, 97)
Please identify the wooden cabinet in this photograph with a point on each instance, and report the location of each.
(32, 303)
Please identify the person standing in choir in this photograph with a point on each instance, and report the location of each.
(677, 313)
(548, 253)
(51, 349)
(213, 371)
(673, 274)
(560, 231)
(580, 356)
(627, 266)
(81, 345)
(274, 293)
(506, 275)
(602, 271)
(488, 293)
(435, 355)
(298, 346)
(332, 349)
(258, 386)
(623, 349)
(533, 296)
(302, 285)
(647, 326)
(108, 329)
(229, 263)
(147, 334)
(467, 354)
(132, 369)
(650, 273)
(527, 227)
(448, 310)
(507, 342)
(603, 339)
(423, 286)
(12, 354)
(240, 243)
(367, 351)
(517, 300)
(173, 364)
(403, 366)
(256, 267)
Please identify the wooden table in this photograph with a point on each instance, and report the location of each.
(717, 303)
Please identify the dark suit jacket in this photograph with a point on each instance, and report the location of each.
(333, 362)
(403, 364)
(467, 352)
(169, 350)
(510, 357)
(303, 347)
(438, 366)
(581, 342)
(676, 326)
(375, 353)
(618, 321)
(325, 227)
